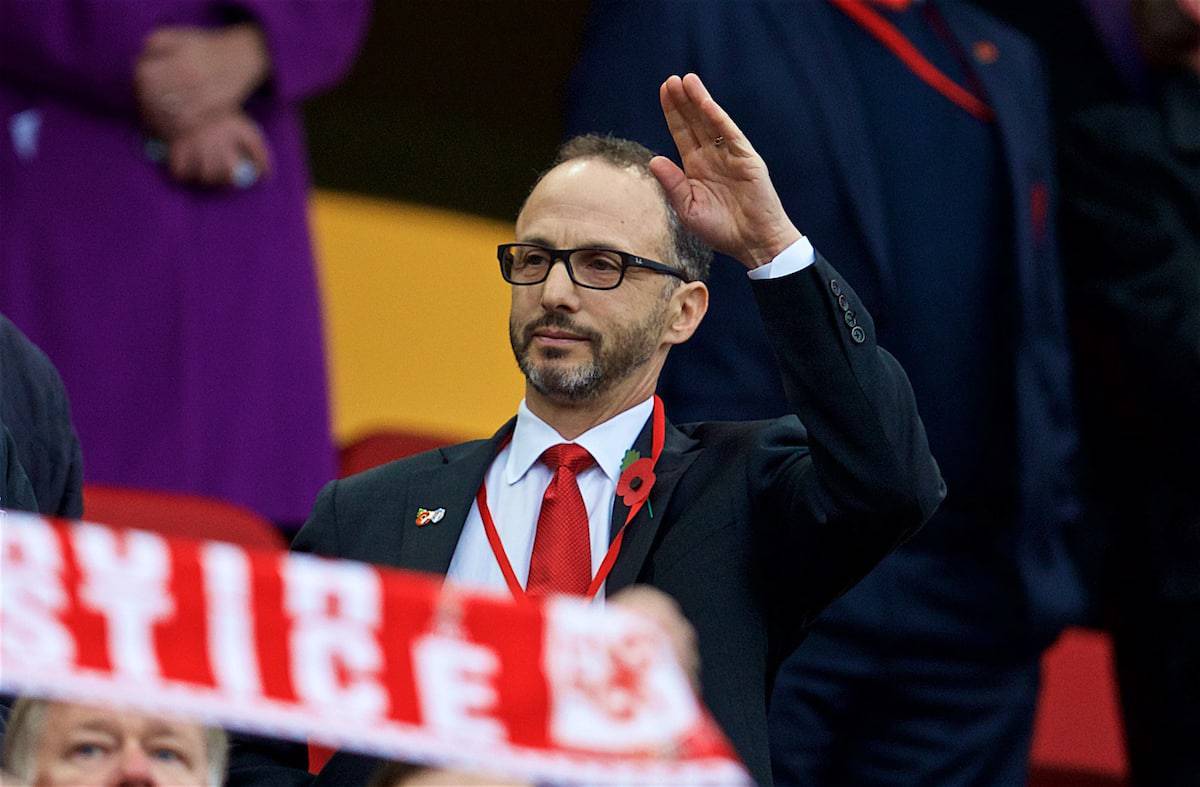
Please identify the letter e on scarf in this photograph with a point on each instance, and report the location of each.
(454, 682)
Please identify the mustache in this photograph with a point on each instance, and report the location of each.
(560, 322)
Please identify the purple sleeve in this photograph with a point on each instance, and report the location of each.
(81, 50)
(312, 43)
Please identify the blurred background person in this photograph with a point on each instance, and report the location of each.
(155, 239)
(1126, 98)
(58, 744)
(1131, 171)
(915, 143)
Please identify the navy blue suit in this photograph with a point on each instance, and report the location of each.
(965, 289)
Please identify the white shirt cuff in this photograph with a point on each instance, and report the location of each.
(794, 258)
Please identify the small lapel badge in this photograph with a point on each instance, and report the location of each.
(985, 52)
(426, 516)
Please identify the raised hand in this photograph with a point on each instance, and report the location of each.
(723, 192)
(186, 76)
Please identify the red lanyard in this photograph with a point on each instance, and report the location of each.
(657, 436)
(891, 37)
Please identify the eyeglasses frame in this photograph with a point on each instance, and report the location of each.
(564, 255)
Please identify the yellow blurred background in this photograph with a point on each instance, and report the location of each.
(416, 318)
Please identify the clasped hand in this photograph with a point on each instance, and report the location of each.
(190, 85)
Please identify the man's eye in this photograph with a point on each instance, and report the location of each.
(603, 262)
(533, 260)
(168, 754)
(86, 751)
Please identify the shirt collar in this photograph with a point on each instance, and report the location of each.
(606, 442)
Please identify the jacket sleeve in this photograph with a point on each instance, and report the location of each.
(858, 478)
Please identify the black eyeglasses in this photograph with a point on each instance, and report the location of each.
(596, 269)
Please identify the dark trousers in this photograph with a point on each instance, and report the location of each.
(919, 675)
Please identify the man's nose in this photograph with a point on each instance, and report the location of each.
(133, 769)
(558, 291)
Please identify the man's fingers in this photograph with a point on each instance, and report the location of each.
(674, 182)
(695, 97)
(681, 131)
(688, 109)
(716, 121)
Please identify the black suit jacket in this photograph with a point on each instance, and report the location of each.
(16, 493)
(757, 526)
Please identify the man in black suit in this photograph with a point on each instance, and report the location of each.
(751, 527)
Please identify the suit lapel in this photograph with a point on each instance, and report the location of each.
(679, 451)
(820, 64)
(452, 486)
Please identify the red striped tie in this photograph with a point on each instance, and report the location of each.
(562, 552)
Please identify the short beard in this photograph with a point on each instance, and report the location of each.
(614, 358)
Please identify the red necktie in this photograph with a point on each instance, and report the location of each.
(562, 551)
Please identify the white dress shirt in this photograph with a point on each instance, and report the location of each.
(516, 481)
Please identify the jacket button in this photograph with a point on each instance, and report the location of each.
(835, 287)
(858, 334)
(844, 302)
(850, 318)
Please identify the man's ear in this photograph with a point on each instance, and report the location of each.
(689, 303)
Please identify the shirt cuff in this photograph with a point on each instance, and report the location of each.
(794, 258)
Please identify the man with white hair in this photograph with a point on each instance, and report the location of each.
(59, 744)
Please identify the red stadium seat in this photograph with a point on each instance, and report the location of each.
(1078, 738)
(177, 514)
(385, 445)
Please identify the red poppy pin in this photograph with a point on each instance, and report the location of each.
(636, 481)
